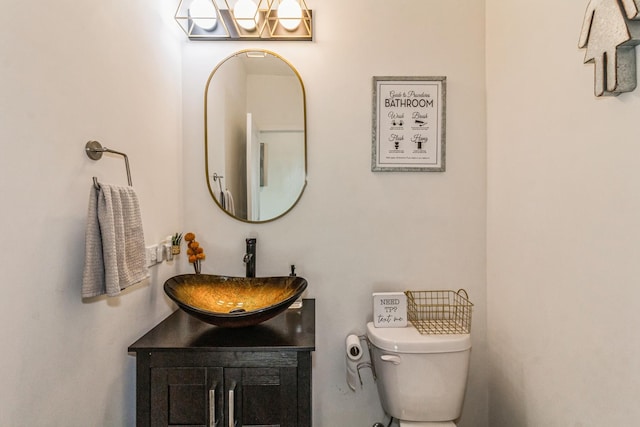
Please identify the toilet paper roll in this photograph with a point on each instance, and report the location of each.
(354, 349)
(352, 356)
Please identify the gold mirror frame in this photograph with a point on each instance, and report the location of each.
(209, 174)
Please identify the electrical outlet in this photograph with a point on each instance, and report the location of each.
(159, 253)
(151, 255)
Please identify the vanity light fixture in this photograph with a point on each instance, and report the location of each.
(245, 19)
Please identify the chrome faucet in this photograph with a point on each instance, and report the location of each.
(250, 257)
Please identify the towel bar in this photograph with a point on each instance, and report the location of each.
(94, 151)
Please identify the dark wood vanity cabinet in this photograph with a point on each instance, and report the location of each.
(190, 373)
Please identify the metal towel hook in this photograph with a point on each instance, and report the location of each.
(94, 151)
(218, 178)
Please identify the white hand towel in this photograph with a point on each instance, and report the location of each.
(230, 205)
(114, 242)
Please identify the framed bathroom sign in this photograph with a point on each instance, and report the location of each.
(408, 124)
(389, 309)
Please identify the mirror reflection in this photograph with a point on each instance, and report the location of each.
(255, 136)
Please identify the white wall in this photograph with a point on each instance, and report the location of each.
(355, 232)
(563, 209)
(70, 72)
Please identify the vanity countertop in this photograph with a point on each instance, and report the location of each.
(292, 330)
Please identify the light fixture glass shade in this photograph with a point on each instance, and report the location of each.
(203, 14)
(201, 20)
(289, 20)
(245, 12)
(289, 14)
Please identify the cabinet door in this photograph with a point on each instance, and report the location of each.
(187, 397)
(265, 397)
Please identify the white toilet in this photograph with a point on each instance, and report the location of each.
(421, 378)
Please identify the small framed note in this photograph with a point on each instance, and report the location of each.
(389, 310)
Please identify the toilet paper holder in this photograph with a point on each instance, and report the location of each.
(354, 364)
(365, 365)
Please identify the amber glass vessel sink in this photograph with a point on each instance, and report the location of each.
(234, 302)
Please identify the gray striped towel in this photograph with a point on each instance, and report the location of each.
(114, 242)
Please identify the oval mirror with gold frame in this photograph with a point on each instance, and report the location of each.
(255, 136)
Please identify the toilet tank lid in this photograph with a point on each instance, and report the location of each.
(409, 340)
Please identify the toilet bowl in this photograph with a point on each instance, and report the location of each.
(421, 379)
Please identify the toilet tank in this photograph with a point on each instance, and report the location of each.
(420, 377)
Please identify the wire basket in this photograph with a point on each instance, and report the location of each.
(439, 312)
